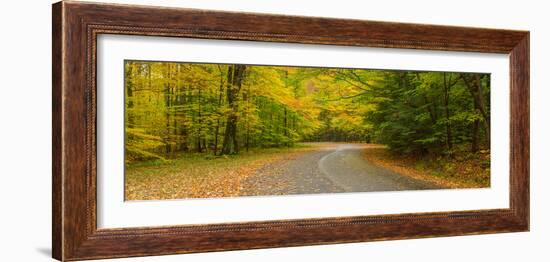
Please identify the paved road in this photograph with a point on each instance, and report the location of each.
(334, 169)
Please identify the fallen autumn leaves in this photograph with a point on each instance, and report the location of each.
(196, 176)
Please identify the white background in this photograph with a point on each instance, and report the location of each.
(114, 212)
(25, 136)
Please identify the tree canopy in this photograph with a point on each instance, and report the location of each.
(219, 109)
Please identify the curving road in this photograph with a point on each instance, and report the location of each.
(332, 169)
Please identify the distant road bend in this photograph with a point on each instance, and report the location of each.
(338, 168)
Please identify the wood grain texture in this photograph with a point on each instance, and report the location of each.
(57, 191)
(76, 26)
(519, 129)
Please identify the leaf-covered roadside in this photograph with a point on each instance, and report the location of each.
(200, 175)
(461, 169)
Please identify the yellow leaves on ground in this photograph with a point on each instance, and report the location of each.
(460, 171)
(198, 177)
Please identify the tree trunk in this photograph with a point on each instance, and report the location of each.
(474, 86)
(475, 136)
(235, 76)
(447, 87)
(199, 131)
(285, 121)
(217, 132)
(184, 131)
(130, 94)
(174, 103)
(431, 109)
(247, 125)
(167, 108)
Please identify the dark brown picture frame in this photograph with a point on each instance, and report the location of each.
(76, 26)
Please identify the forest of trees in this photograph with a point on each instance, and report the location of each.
(218, 109)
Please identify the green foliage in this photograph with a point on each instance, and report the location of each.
(221, 109)
(419, 112)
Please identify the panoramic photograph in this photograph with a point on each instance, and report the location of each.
(205, 130)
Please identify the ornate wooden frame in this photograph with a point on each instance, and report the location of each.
(75, 28)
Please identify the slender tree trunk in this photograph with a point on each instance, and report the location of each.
(177, 111)
(247, 119)
(130, 94)
(174, 102)
(431, 109)
(474, 86)
(184, 132)
(217, 132)
(475, 136)
(199, 131)
(482, 108)
(285, 121)
(168, 105)
(247, 140)
(446, 87)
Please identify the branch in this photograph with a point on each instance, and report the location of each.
(347, 97)
(344, 77)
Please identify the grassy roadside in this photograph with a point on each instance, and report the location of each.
(200, 175)
(463, 170)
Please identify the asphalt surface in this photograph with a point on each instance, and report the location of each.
(335, 169)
